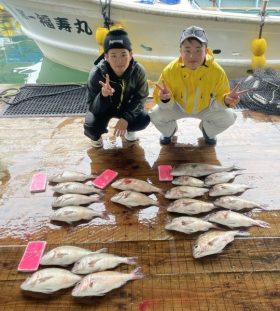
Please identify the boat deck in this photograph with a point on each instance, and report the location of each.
(245, 276)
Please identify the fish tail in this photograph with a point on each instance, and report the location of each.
(92, 176)
(105, 215)
(137, 273)
(262, 224)
(132, 260)
(95, 197)
(264, 207)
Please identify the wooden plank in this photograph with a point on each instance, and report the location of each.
(173, 257)
(218, 291)
(245, 276)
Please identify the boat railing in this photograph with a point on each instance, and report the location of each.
(245, 6)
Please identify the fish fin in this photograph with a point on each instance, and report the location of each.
(93, 262)
(60, 255)
(41, 280)
(237, 168)
(212, 241)
(243, 233)
(102, 250)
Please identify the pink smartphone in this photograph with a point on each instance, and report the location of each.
(38, 182)
(32, 255)
(164, 173)
(105, 178)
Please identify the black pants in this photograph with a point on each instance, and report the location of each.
(94, 126)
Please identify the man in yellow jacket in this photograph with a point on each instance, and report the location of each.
(194, 85)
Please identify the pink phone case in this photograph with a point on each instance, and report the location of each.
(32, 255)
(38, 182)
(105, 178)
(164, 173)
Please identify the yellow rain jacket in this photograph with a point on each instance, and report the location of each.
(193, 89)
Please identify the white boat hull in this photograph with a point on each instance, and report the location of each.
(154, 31)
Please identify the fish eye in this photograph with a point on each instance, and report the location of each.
(195, 246)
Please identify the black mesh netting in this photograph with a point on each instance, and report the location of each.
(264, 94)
(48, 100)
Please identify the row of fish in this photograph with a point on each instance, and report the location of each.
(230, 219)
(193, 206)
(218, 178)
(73, 194)
(50, 280)
(94, 263)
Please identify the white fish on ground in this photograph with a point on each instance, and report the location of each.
(200, 169)
(189, 225)
(134, 184)
(75, 187)
(188, 181)
(66, 176)
(100, 262)
(185, 192)
(220, 178)
(50, 280)
(214, 242)
(133, 199)
(71, 214)
(227, 189)
(74, 199)
(100, 283)
(190, 206)
(235, 203)
(233, 220)
(66, 255)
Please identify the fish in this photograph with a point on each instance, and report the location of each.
(213, 242)
(233, 220)
(220, 178)
(71, 214)
(75, 187)
(227, 189)
(100, 262)
(50, 280)
(133, 199)
(66, 255)
(190, 206)
(134, 184)
(188, 181)
(100, 283)
(74, 199)
(67, 176)
(236, 203)
(189, 225)
(185, 192)
(200, 169)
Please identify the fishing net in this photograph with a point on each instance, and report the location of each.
(264, 96)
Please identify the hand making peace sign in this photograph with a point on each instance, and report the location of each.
(106, 89)
(233, 98)
(164, 93)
